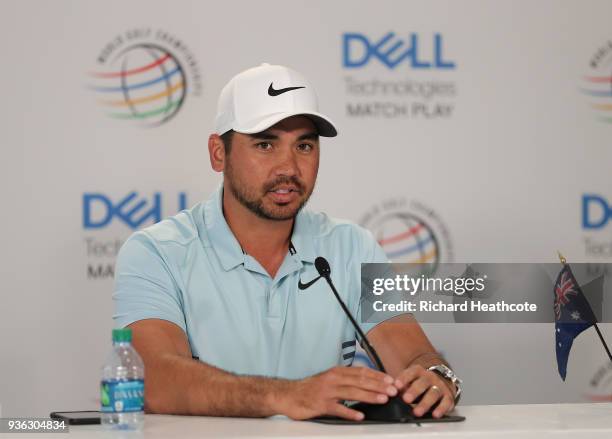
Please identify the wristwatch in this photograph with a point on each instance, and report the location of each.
(447, 373)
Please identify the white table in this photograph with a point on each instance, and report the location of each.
(542, 421)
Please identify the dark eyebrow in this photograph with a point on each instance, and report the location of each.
(263, 136)
(309, 136)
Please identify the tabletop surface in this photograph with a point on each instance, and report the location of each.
(506, 421)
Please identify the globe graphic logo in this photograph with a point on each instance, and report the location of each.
(145, 83)
(599, 90)
(597, 84)
(405, 238)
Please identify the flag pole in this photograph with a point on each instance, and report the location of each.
(603, 342)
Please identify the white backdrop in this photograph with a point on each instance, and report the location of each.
(489, 132)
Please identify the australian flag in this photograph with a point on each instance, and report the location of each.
(573, 314)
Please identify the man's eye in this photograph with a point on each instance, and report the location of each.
(305, 147)
(264, 145)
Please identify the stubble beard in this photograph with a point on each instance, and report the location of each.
(250, 198)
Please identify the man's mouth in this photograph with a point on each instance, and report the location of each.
(284, 194)
(284, 190)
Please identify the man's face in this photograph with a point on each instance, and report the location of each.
(273, 173)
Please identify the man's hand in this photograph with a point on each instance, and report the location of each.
(322, 394)
(416, 381)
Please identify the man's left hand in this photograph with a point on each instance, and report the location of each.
(436, 392)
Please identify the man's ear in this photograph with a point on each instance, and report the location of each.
(216, 151)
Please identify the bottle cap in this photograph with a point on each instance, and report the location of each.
(122, 335)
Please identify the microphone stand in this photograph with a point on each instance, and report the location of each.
(395, 409)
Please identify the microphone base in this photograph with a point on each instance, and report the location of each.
(394, 410)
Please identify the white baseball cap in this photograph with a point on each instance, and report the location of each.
(254, 100)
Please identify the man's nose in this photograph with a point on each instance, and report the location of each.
(287, 164)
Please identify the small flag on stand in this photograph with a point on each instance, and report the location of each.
(573, 314)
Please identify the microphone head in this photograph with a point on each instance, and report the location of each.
(322, 266)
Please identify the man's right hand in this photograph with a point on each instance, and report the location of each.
(323, 394)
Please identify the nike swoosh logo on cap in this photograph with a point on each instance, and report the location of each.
(280, 91)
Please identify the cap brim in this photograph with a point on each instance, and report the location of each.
(325, 126)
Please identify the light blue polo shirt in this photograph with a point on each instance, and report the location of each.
(190, 270)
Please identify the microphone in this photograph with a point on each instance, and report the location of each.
(395, 409)
(324, 271)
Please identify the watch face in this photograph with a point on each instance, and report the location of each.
(446, 372)
(443, 370)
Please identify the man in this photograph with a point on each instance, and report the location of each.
(212, 293)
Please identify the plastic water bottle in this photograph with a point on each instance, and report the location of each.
(122, 385)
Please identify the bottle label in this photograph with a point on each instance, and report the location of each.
(118, 396)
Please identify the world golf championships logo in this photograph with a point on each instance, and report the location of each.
(149, 85)
(597, 83)
(142, 80)
(407, 238)
(409, 232)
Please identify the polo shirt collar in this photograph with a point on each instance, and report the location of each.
(302, 238)
(223, 241)
(228, 248)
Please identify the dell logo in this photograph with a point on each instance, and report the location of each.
(99, 210)
(596, 211)
(391, 51)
